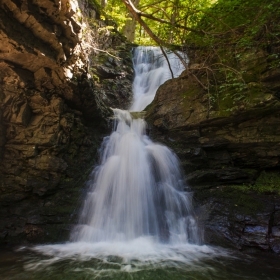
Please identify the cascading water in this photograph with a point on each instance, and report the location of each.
(152, 70)
(138, 189)
(137, 222)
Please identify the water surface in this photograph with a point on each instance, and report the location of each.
(140, 259)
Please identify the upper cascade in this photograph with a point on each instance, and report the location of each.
(152, 70)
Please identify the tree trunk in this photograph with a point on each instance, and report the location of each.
(130, 25)
(103, 3)
(173, 20)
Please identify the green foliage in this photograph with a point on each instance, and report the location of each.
(116, 10)
(244, 23)
(233, 88)
(237, 199)
(215, 20)
(185, 13)
(274, 61)
(95, 4)
(267, 182)
(232, 29)
(223, 32)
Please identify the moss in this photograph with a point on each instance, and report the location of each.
(250, 171)
(250, 76)
(150, 109)
(96, 5)
(275, 63)
(267, 182)
(192, 91)
(256, 92)
(94, 76)
(225, 105)
(66, 179)
(236, 61)
(240, 199)
(239, 87)
(138, 115)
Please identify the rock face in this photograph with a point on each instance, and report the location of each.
(245, 220)
(225, 148)
(56, 88)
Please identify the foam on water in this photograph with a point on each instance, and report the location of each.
(137, 254)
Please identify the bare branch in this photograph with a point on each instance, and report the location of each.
(152, 4)
(170, 23)
(89, 46)
(138, 14)
(169, 66)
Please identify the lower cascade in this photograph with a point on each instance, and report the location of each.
(136, 191)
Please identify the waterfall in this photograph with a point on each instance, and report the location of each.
(138, 188)
(152, 70)
(137, 220)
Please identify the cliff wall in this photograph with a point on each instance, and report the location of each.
(228, 140)
(56, 87)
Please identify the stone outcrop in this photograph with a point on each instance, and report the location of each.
(56, 87)
(225, 149)
(245, 220)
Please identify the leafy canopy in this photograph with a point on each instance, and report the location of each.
(180, 17)
(206, 20)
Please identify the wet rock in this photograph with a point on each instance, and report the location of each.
(224, 150)
(218, 176)
(54, 111)
(275, 246)
(275, 231)
(105, 72)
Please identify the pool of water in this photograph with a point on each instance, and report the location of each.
(135, 260)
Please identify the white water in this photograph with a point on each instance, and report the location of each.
(152, 70)
(138, 189)
(136, 207)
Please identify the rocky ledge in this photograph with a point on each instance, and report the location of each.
(231, 154)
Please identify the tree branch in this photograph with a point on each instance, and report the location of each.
(169, 66)
(138, 14)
